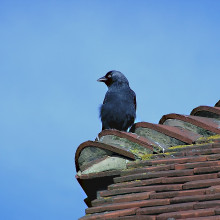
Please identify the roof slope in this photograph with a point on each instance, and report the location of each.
(159, 171)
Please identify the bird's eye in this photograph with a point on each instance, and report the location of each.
(109, 76)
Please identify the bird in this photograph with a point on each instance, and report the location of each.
(118, 110)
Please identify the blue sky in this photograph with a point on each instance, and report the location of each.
(52, 53)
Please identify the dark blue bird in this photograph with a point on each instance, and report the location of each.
(118, 110)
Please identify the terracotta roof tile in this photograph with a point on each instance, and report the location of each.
(198, 164)
(166, 208)
(202, 122)
(167, 161)
(172, 194)
(211, 169)
(206, 111)
(217, 211)
(136, 217)
(213, 189)
(216, 140)
(203, 152)
(115, 149)
(176, 172)
(184, 179)
(186, 214)
(201, 183)
(205, 218)
(194, 198)
(207, 204)
(191, 148)
(136, 183)
(147, 169)
(123, 205)
(175, 132)
(110, 215)
(210, 139)
(149, 175)
(213, 157)
(157, 188)
(122, 198)
(149, 144)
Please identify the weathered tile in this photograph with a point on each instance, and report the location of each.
(186, 214)
(207, 204)
(122, 198)
(157, 188)
(201, 183)
(198, 164)
(125, 205)
(173, 194)
(165, 208)
(153, 175)
(110, 215)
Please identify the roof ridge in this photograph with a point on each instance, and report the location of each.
(176, 172)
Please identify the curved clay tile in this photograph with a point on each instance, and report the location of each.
(168, 188)
(204, 123)
(177, 133)
(171, 187)
(206, 111)
(129, 136)
(115, 149)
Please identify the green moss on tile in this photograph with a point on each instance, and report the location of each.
(156, 136)
(217, 136)
(128, 169)
(169, 153)
(190, 145)
(137, 149)
(180, 146)
(147, 156)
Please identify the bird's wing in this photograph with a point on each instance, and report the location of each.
(135, 103)
(105, 99)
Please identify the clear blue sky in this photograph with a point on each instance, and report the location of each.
(52, 53)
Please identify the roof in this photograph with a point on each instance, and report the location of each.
(154, 171)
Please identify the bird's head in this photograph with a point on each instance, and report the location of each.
(113, 77)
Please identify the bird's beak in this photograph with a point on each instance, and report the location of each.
(102, 79)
